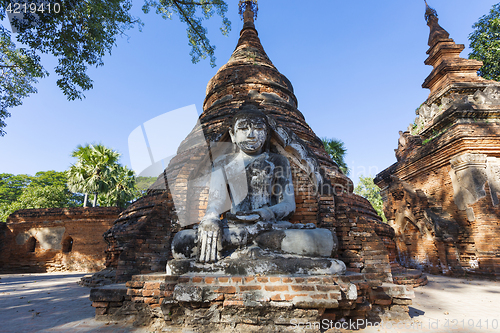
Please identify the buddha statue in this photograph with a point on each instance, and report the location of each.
(251, 197)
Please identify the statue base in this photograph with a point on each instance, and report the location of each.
(255, 261)
(204, 304)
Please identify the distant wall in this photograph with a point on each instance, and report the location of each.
(55, 239)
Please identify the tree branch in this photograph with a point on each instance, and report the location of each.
(188, 21)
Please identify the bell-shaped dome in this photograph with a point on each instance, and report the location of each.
(249, 75)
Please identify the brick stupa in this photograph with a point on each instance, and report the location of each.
(441, 196)
(139, 242)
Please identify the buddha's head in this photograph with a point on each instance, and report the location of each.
(250, 130)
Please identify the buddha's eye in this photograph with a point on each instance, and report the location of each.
(243, 124)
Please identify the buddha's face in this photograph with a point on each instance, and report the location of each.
(250, 134)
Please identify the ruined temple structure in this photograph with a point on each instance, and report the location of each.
(441, 196)
(140, 240)
(55, 239)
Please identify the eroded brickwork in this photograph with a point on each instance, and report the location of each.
(267, 303)
(178, 199)
(55, 239)
(441, 197)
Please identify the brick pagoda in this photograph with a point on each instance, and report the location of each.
(139, 242)
(441, 196)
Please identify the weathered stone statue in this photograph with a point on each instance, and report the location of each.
(252, 189)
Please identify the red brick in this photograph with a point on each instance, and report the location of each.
(151, 300)
(210, 280)
(276, 288)
(149, 293)
(232, 303)
(274, 279)
(134, 292)
(236, 279)
(262, 279)
(276, 297)
(223, 279)
(313, 280)
(302, 287)
(249, 279)
(319, 296)
(152, 285)
(289, 297)
(337, 295)
(226, 289)
(100, 304)
(134, 284)
(197, 279)
(247, 288)
(328, 287)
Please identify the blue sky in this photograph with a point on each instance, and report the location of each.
(356, 67)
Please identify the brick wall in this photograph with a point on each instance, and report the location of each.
(213, 303)
(55, 239)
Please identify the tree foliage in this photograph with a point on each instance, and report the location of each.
(79, 36)
(196, 33)
(371, 192)
(485, 43)
(121, 189)
(143, 183)
(336, 149)
(98, 172)
(47, 189)
(19, 71)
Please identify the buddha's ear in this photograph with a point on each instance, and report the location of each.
(231, 134)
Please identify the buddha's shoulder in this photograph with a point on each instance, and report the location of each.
(278, 159)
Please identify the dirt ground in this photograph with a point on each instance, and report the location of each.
(53, 302)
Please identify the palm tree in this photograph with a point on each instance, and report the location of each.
(122, 188)
(93, 171)
(77, 175)
(335, 148)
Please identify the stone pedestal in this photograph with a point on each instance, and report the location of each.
(248, 303)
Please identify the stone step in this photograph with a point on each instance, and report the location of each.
(412, 277)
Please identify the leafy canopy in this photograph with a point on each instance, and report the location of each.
(371, 192)
(485, 43)
(336, 149)
(47, 189)
(98, 172)
(80, 35)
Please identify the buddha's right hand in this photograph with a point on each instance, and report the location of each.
(209, 240)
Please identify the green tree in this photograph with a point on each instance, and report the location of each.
(33, 196)
(122, 188)
(19, 70)
(97, 172)
(485, 43)
(336, 149)
(371, 192)
(143, 183)
(93, 172)
(11, 187)
(80, 35)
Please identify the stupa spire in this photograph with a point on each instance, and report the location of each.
(437, 33)
(248, 11)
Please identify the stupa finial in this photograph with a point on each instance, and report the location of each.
(248, 10)
(429, 12)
